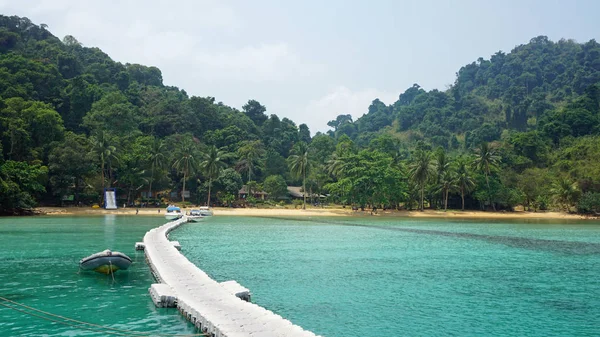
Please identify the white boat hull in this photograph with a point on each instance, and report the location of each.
(205, 212)
(172, 216)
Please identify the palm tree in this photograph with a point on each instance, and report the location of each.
(299, 165)
(564, 191)
(212, 164)
(485, 161)
(446, 183)
(463, 179)
(250, 154)
(413, 195)
(442, 164)
(132, 176)
(253, 187)
(421, 170)
(336, 166)
(157, 160)
(186, 159)
(103, 149)
(320, 177)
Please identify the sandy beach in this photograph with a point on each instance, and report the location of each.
(312, 212)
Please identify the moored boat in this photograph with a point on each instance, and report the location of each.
(205, 211)
(173, 213)
(195, 215)
(105, 262)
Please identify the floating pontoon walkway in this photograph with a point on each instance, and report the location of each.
(209, 305)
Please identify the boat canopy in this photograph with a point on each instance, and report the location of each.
(173, 209)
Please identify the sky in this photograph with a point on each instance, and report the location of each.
(308, 60)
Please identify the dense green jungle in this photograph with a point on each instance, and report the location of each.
(518, 129)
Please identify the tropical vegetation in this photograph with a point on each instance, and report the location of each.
(519, 129)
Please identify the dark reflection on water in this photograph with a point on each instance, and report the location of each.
(568, 247)
(560, 246)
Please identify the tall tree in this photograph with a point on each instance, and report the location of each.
(255, 111)
(299, 165)
(69, 164)
(336, 166)
(112, 112)
(276, 187)
(250, 155)
(106, 152)
(487, 160)
(212, 164)
(565, 192)
(186, 159)
(421, 170)
(464, 179)
(442, 165)
(157, 160)
(446, 183)
(20, 182)
(304, 133)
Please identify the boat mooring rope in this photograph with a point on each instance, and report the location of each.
(85, 325)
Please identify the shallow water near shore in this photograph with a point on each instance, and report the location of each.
(355, 276)
(39, 258)
(399, 277)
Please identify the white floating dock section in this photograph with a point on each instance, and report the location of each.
(142, 246)
(163, 295)
(211, 306)
(236, 289)
(176, 245)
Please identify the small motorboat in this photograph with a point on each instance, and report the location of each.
(205, 211)
(195, 215)
(105, 262)
(173, 213)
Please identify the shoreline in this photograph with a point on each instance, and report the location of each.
(324, 212)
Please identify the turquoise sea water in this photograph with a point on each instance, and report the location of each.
(39, 259)
(399, 277)
(336, 277)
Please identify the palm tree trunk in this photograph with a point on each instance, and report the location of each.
(446, 201)
(102, 175)
(150, 185)
(422, 198)
(108, 174)
(209, 186)
(77, 191)
(183, 192)
(487, 180)
(462, 195)
(304, 188)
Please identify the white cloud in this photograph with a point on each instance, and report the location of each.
(191, 41)
(342, 100)
(264, 62)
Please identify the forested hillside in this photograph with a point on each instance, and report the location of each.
(519, 129)
(526, 89)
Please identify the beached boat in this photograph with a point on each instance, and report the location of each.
(173, 213)
(195, 215)
(205, 211)
(105, 262)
